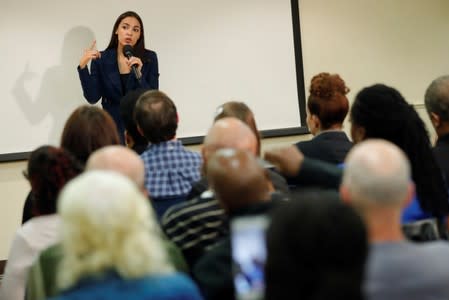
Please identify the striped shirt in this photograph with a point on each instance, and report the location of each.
(170, 169)
(196, 225)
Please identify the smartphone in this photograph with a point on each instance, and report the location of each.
(249, 255)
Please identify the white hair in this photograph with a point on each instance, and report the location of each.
(107, 224)
(378, 172)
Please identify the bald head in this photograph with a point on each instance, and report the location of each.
(121, 160)
(229, 132)
(237, 178)
(377, 172)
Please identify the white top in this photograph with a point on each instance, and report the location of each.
(34, 236)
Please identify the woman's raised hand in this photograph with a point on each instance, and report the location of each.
(89, 54)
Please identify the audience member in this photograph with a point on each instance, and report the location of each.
(133, 138)
(198, 224)
(170, 169)
(87, 129)
(380, 111)
(316, 249)
(437, 106)
(327, 107)
(377, 183)
(111, 243)
(43, 273)
(243, 188)
(49, 169)
(242, 112)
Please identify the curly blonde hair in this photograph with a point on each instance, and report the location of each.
(108, 225)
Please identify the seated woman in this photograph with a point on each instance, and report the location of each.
(327, 107)
(316, 249)
(111, 243)
(49, 169)
(87, 129)
(381, 112)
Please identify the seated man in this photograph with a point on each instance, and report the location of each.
(198, 224)
(170, 169)
(242, 188)
(437, 106)
(377, 183)
(133, 139)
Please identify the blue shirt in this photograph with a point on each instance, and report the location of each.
(170, 169)
(111, 286)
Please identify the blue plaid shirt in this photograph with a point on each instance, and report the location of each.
(170, 169)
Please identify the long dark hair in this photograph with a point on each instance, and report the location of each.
(383, 112)
(139, 47)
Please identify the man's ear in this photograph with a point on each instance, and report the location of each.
(344, 194)
(435, 119)
(410, 194)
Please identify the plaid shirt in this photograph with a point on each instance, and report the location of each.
(170, 169)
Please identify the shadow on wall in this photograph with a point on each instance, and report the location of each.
(60, 91)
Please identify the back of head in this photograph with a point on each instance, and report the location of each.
(383, 113)
(377, 173)
(108, 225)
(316, 250)
(156, 116)
(119, 159)
(436, 98)
(242, 112)
(49, 169)
(237, 179)
(229, 132)
(87, 129)
(127, 104)
(327, 99)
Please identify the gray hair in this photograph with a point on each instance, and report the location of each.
(377, 172)
(436, 98)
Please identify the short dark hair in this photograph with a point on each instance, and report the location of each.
(87, 129)
(49, 169)
(139, 47)
(327, 99)
(436, 98)
(156, 115)
(317, 248)
(127, 105)
(384, 114)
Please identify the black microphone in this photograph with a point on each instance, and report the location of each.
(128, 52)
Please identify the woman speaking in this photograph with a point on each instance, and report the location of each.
(123, 66)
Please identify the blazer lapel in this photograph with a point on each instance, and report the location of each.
(111, 67)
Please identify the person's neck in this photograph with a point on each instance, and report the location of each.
(384, 225)
(442, 130)
(335, 127)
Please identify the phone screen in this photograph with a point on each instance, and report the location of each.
(249, 255)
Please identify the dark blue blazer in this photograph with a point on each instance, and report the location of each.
(103, 82)
(329, 146)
